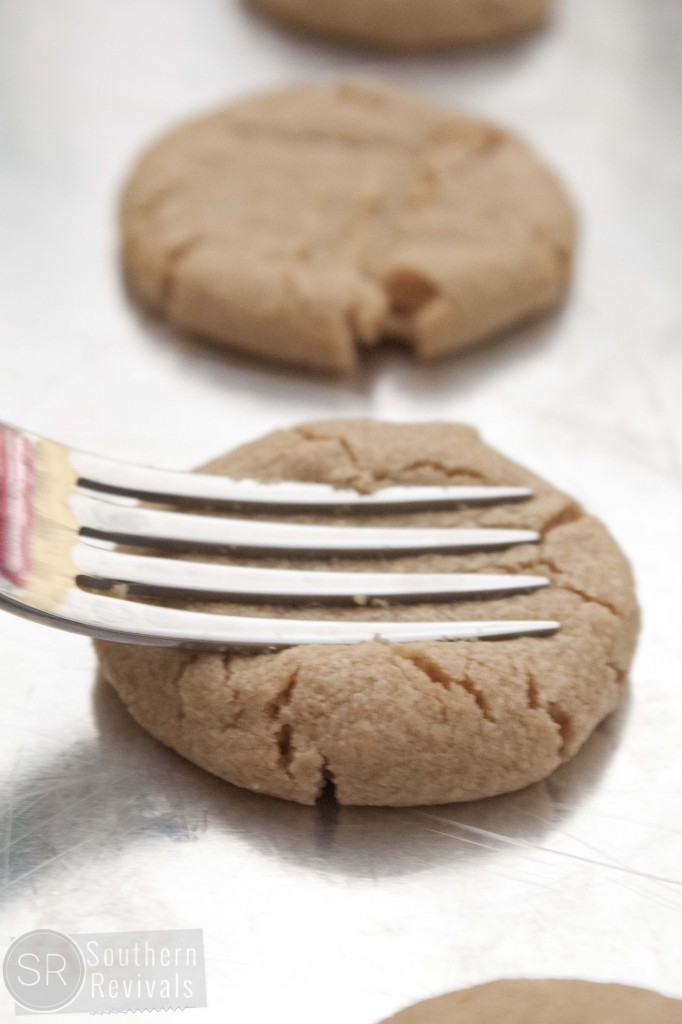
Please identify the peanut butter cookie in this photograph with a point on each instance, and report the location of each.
(545, 1002)
(406, 26)
(302, 224)
(399, 724)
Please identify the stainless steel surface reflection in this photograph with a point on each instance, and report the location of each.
(326, 913)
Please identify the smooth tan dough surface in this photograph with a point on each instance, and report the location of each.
(415, 723)
(545, 1002)
(404, 25)
(300, 224)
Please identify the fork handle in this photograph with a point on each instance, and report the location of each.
(17, 485)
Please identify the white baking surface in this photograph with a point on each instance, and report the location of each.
(344, 916)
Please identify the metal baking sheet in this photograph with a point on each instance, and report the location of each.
(321, 914)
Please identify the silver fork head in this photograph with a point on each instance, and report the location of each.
(63, 511)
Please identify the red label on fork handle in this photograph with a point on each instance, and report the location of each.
(17, 481)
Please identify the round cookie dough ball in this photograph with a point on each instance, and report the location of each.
(545, 1002)
(301, 224)
(401, 724)
(409, 26)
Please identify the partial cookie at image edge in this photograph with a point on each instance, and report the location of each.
(401, 26)
(544, 1002)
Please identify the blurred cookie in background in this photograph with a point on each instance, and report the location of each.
(301, 224)
(403, 25)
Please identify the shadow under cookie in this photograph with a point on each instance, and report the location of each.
(365, 842)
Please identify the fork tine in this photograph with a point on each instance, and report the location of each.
(182, 576)
(112, 618)
(124, 523)
(121, 478)
(42, 505)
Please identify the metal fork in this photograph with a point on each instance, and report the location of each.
(62, 513)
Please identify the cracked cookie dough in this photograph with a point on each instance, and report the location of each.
(403, 25)
(303, 223)
(545, 1002)
(401, 724)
